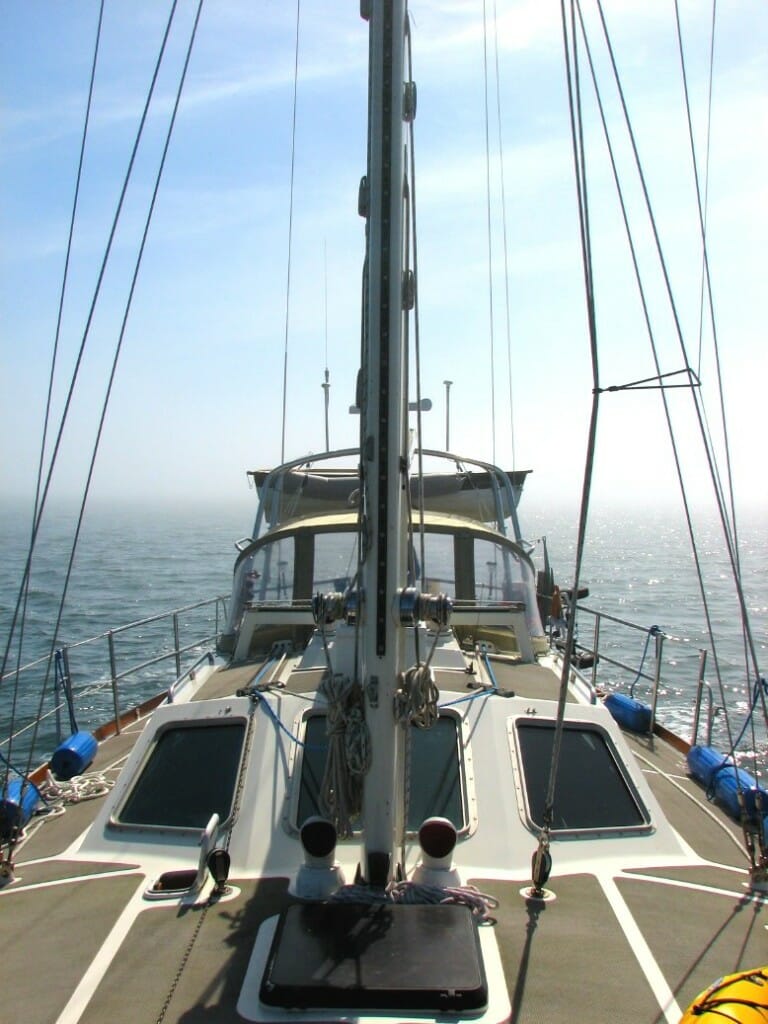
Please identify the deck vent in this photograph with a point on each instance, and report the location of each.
(437, 839)
(319, 876)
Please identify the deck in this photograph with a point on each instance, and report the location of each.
(616, 943)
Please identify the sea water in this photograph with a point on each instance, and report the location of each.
(136, 560)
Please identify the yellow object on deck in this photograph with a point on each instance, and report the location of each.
(741, 997)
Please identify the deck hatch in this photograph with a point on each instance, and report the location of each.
(435, 770)
(593, 793)
(376, 957)
(190, 774)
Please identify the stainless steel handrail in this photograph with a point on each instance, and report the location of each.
(115, 677)
(654, 677)
(188, 675)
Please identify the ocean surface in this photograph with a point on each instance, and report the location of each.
(134, 562)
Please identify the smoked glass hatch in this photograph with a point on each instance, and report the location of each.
(592, 791)
(190, 774)
(434, 769)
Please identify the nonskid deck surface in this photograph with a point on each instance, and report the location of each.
(573, 956)
(513, 678)
(616, 945)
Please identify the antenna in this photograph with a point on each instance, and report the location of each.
(447, 413)
(326, 385)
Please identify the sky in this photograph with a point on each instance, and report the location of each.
(198, 394)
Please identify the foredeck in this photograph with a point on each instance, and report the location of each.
(615, 944)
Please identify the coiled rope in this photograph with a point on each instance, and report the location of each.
(416, 697)
(77, 789)
(349, 751)
(57, 795)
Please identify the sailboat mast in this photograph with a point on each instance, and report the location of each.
(384, 433)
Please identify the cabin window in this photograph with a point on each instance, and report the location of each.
(435, 768)
(267, 574)
(502, 575)
(335, 562)
(592, 791)
(437, 575)
(491, 572)
(190, 774)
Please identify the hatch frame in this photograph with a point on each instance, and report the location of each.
(644, 827)
(191, 723)
(467, 794)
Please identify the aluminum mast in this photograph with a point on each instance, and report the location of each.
(384, 435)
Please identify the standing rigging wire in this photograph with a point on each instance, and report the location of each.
(49, 396)
(67, 256)
(78, 362)
(706, 287)
(698, 408)
(488, 227)
(505, 245)
(290, 229)
(116, 357)
(757, 864)
(654, 351)
(705, 203)
(706, 281)
(541, 862)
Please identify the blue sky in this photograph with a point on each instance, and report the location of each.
(198, 395)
